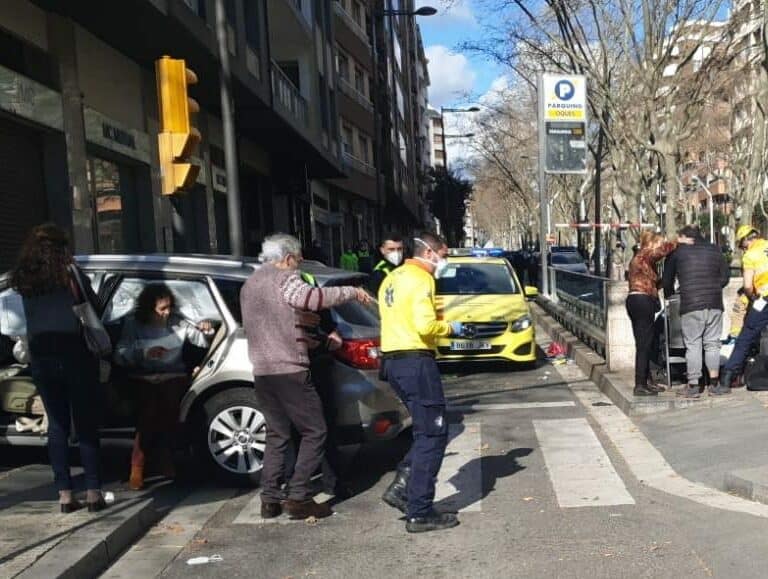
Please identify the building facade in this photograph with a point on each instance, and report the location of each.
(79, 123)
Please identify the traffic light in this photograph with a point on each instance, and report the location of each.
(177, 138)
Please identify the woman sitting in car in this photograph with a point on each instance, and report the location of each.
(151, 345)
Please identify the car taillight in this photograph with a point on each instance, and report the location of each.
(362, 354)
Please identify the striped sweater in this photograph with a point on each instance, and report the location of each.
(271, 300)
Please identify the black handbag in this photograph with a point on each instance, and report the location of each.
(95, 335)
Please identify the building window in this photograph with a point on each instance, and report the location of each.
(196, 6)
(347, 140)
(104, 179)
(343, 65)
(252, 24)
(357, 13)
(360, 80)
(364, 151)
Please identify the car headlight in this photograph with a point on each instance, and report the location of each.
(522, 323)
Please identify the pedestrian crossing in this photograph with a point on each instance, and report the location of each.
(577, 467)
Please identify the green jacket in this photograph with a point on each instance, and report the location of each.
(349, 261)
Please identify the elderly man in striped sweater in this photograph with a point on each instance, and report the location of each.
(273, 301)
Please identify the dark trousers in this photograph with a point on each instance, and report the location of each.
(641, 309)
(754, 324)
(157, 420)
(290, 400)
(416, 380)
(69, 387)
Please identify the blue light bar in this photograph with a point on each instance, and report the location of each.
(490, 252)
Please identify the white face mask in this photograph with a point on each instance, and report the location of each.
(439, 265)
(394, 257)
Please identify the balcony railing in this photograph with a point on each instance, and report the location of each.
(347, 18)
(353, 93)
(287, 96)
(358, 165)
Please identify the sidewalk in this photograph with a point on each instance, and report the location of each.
(36, 540)
(718, 441)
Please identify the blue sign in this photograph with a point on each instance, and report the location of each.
(564, 90)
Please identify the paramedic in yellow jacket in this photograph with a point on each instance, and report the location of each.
(409, 328)
(754, 264)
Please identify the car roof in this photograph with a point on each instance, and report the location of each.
(213, 265)
(471, 259)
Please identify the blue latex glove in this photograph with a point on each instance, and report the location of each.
(457, 328)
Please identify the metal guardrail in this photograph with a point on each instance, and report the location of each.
(580, 303)
(287, 95)
(354, 94)
(358, 164)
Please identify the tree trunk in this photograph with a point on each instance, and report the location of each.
(672, 189)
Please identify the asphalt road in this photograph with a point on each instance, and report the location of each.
(541, 491)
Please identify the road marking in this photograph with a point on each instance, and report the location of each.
(579, 468)
(460, 480)
(511, 406)
(647, 463)
(163, 542)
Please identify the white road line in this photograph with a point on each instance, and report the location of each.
(165, 540)
(648, 464)
(460, 480)
(581, 472)
(511, 406)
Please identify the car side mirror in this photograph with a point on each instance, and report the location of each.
(531, 292)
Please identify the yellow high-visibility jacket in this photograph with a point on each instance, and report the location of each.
(756, 259)
(407, 310)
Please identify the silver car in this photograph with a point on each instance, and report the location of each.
(222, 420)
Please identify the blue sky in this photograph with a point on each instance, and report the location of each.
(452, 73)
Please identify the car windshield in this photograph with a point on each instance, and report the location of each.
(476, 278)
(566, 259)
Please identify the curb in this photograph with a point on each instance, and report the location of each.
(750, 483)
(616, 386)
(89, 550)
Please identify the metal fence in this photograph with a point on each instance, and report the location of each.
(580, 303)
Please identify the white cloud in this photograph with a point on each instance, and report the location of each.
(450, 12)
(450, 74)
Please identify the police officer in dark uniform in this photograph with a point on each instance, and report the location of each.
(409, 328)
(391, 250)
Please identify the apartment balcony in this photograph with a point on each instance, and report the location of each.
(292, 18)
(352, 162)
(287, 98)
(355, 95)
(347, 19)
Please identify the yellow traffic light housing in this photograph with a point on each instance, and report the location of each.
(177, 138)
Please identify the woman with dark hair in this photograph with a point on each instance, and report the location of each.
(65, 372)
(151, 345)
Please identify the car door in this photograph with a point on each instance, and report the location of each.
(194, 302)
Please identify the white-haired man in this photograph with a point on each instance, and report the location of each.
(272, 301)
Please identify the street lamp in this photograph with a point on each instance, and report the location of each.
(464, 136)
(423, 11)
(444, 110)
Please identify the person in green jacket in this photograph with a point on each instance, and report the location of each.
(349, 260)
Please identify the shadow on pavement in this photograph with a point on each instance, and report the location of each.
(492, 468)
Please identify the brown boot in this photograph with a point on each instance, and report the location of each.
(270, 510)
(306, 509)
(136, 482)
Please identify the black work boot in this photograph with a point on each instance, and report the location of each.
(396, 495)
(723, 386)
(643, 390)
(431, 522)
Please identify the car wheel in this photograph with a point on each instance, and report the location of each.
(234, 435)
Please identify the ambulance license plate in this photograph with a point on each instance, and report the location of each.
(470, 345)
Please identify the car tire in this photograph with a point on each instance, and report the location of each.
(232, 436)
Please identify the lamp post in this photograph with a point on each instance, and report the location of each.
(423, 11)
(711, 208)
(444, 110)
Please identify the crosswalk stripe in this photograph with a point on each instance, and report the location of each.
(460, 480)
(511, 406)
(581, 472)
